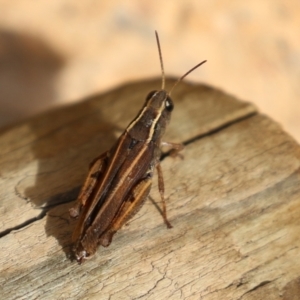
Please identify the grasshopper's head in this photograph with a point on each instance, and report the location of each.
(153, 118)
(160, 100)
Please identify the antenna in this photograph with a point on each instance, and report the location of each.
(187, 73)
(161, 61)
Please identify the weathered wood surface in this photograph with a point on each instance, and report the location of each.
(234, 202)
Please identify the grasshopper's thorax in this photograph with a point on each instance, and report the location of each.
(150, 123)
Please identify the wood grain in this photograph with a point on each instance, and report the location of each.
(234, 202)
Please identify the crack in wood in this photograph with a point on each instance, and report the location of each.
(52, 202)
(220, 128)
(24, 224)
(212, 132)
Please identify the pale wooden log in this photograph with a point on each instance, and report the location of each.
(234, 202)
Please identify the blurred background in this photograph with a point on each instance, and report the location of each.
(60, 51)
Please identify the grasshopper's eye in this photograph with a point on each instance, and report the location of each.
(169, 104)
(150, 95)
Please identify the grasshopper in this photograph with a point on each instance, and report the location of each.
(119, 180)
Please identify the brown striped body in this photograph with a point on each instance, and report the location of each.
(120, 180)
